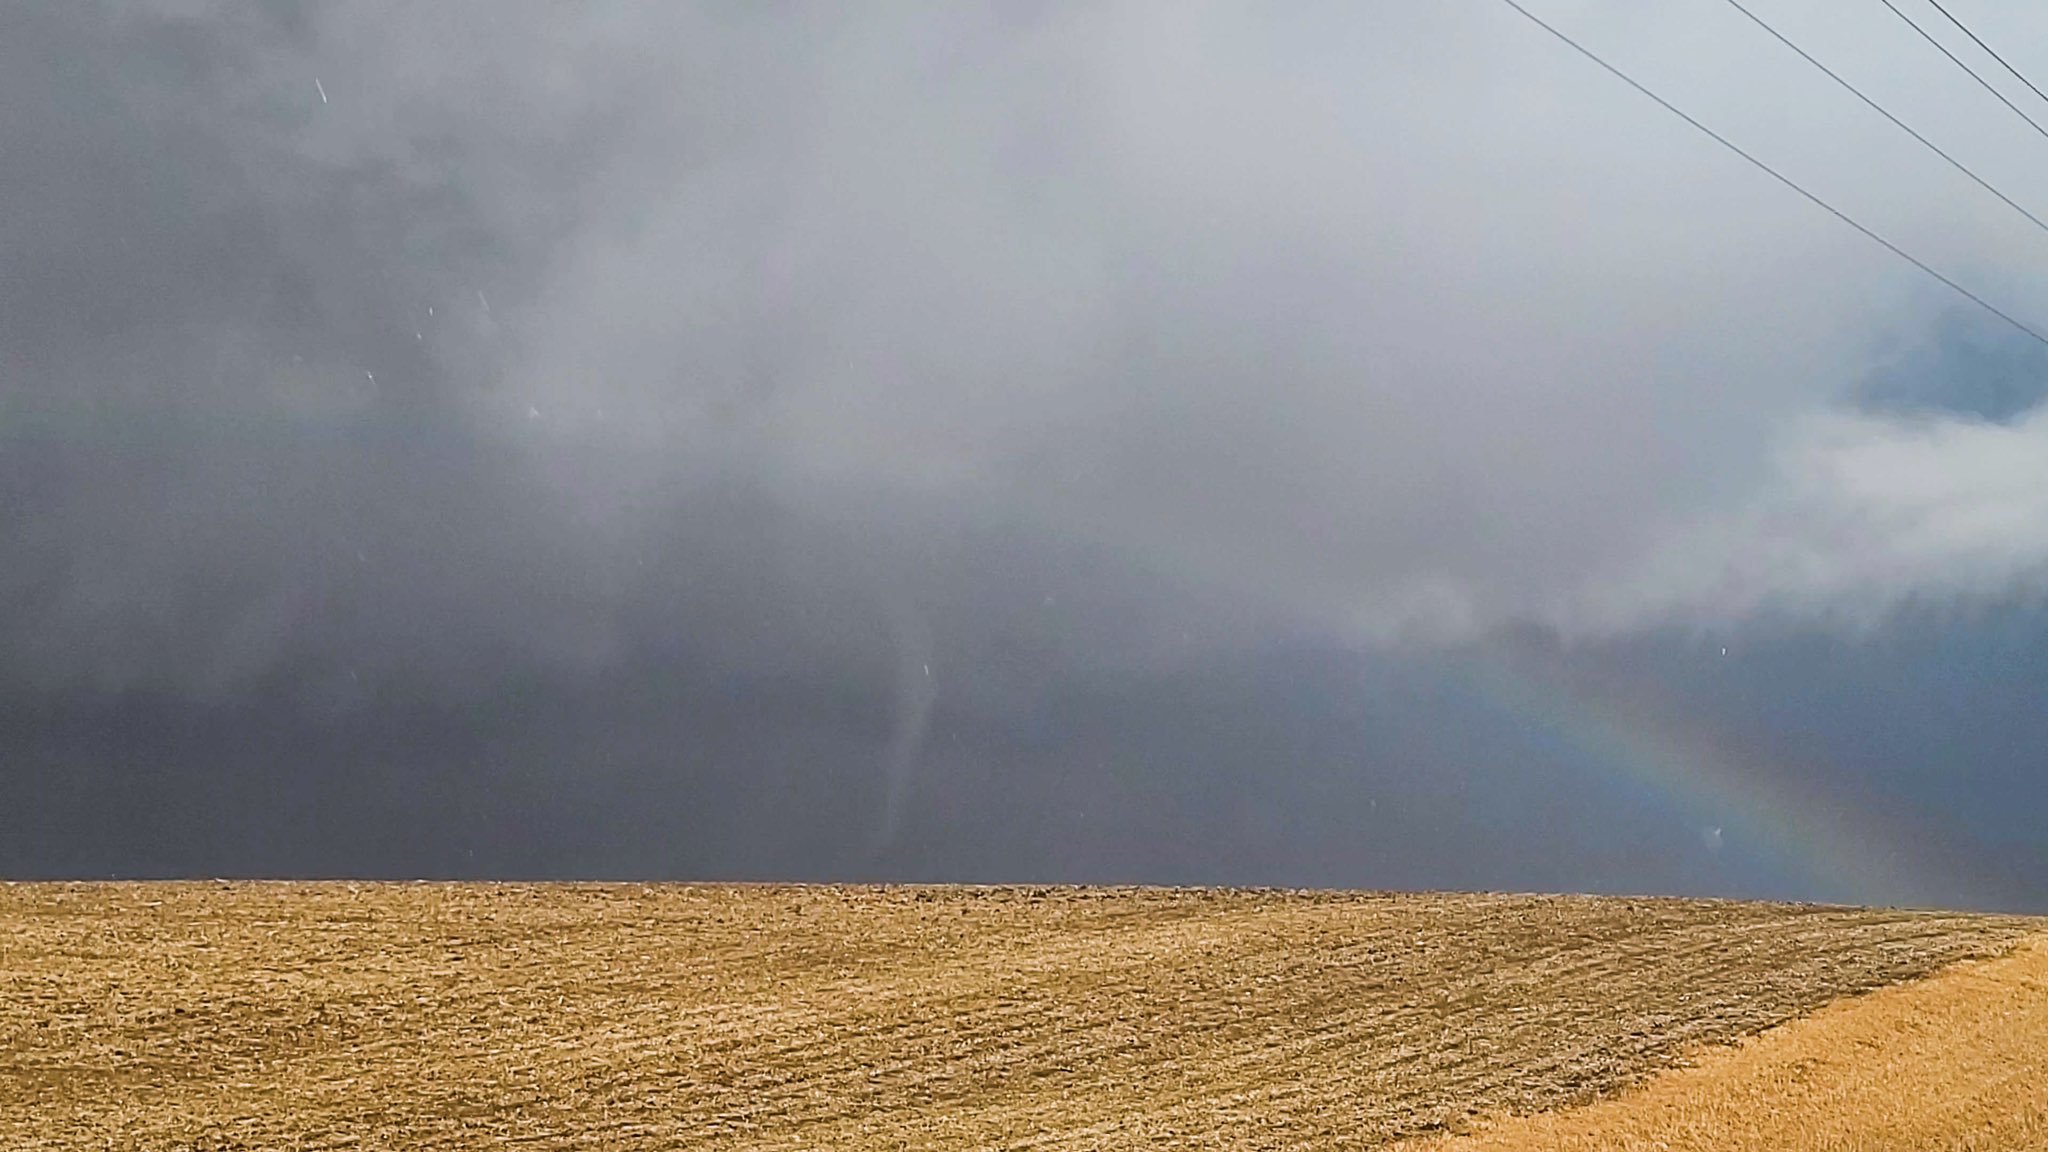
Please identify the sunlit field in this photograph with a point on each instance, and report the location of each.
(248, 1016)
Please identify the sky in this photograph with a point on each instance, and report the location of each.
(1355, 445)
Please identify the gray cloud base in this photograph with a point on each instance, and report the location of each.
(368, 352)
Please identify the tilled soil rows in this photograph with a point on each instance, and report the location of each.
(423, 1016)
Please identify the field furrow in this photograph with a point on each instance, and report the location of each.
(247, 1016)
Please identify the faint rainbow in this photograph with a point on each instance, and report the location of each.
(1832, 847)
(1836, 849)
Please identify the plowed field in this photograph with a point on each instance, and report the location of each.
(246, 1016)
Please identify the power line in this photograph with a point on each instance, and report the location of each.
(1881, 110)
(1987, 48)
(1958, 61)
(1780, 177)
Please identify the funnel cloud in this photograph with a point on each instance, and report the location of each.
(1006, 441)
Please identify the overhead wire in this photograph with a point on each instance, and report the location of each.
(1880, 109)
(1780, 177)
(1979, 41)
(1959, 62)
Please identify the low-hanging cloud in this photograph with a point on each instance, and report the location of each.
(1393, 348)
(416, 342)
(1862, 515)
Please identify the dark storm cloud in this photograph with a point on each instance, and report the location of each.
(740, 429)
(319, 308)
(401, 343)
(226, 445)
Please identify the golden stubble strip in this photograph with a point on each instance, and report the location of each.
(1956, 1061)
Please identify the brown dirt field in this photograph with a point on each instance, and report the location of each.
(1959, 1061)
(202, 1016)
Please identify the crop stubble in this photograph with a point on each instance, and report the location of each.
(205, 1016)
